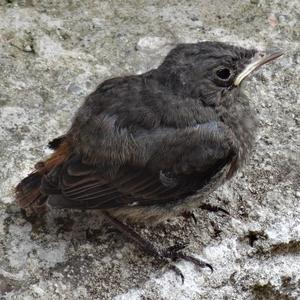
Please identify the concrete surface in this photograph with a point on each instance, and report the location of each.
(52, 54)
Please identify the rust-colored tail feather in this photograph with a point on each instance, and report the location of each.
(28, 194)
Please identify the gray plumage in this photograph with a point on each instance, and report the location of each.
(151, 145)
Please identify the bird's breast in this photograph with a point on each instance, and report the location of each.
(241, 120)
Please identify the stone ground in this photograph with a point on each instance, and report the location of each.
(52, 54)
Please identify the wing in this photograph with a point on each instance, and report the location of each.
(87, 186)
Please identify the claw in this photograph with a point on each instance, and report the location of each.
(190, 214)
(178, 272)
(199, 263)
(174, 254)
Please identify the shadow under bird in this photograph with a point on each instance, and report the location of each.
(148, 147)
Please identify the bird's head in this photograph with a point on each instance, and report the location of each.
(210, 71)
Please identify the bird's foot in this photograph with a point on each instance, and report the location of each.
(205, 206)
(174, 253)
(212, 208)
(167, 255)
(190, 215)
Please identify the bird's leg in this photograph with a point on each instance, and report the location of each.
(172, 253)
(212, 208)
(132, 235)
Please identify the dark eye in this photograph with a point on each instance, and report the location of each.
(224, 73)
(223, 76)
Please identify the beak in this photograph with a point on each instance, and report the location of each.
(257, 61)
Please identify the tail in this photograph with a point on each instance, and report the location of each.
(27, 192)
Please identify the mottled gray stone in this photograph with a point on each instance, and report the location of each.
(52, 54)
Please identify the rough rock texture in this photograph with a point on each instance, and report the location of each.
(52, 54)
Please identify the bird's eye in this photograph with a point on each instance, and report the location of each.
(223, 76)
(224, 73)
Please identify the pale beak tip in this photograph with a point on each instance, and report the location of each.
(273, 53)
(260, 58)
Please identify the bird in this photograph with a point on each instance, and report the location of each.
(149, 147)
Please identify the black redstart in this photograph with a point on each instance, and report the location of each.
(151, 146)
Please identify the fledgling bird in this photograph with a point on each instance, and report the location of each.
(151, 146)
